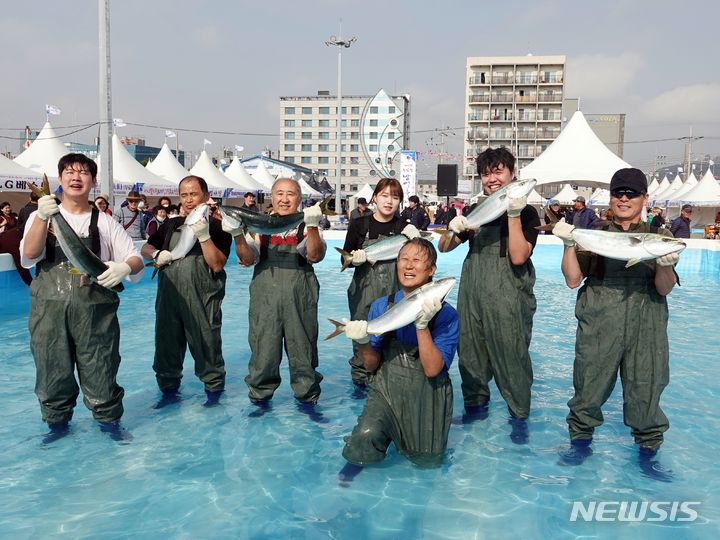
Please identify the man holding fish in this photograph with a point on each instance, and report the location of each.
(408, 344)
(622, 313)
(496, 302)
(73, 310)
(190, 251)
(284, 293)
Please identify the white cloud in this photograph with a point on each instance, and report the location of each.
(692, 103)
(600, 76)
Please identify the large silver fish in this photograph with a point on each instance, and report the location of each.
(496, 204)
(630, 247)
(268, 223)
(406, 311)
(84, 261)
(386, 249)
(187, 237)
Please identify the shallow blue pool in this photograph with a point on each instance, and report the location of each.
(192, 472)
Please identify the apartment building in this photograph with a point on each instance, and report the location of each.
(374, 131)
(512, 101)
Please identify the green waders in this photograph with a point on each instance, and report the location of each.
(188, 314)
(496, 305)
(622, 325)
(405, 407)
(73, 324)
(368, 284)
(284, 296)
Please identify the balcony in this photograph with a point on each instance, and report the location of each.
(478, 79)
(549, 96)
(552, 79)
(502, 97)
(479, 98)
(532, 98)
(503, 79)
(526, 152)
(504, 134)
(549, 117)
(526, 79)
(477, 133)
(526, 134)
(526, 117)
(501, 117)
(478, 117)
(547, 133)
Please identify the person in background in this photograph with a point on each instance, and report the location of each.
(440, 215)
(658, 220)
(249, 202)
(553, 212)
(25, 212)
(581, 216)
(415, 214)
(717, 217)
(164, 202)
(173, 211)
(159, 214)
(8, 218)
(450, 214)
(361, 210)
(101, 203)
(10, 237)
(131, 217)
(680, 226)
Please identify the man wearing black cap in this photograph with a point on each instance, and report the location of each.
(249, 202)
(582, 217)
(622, 326)
(361, 210)
(680, 226)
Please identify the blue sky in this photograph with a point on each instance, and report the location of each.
(221, 65)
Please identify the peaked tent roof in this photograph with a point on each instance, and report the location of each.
(653, 186)
(666, 194)
(205, 169)
(44, 153)
(577, 156)
(366, 191)
(263, 176)
(566, 195)
(166, 166)
(705, 193)
(307, 190)
(238, 174)
(9, 169)
(600, 197)
(535, 198)
(662, 186)
(690, 183)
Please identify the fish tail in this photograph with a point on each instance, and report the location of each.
(324, 206)
(347, 258)
(439, 230)
(155, 271)
(40, 191)
(545, 228)
(339, 329)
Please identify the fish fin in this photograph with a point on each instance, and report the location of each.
(46, 185)
(44, 188)
(155, 271)
(252, 234)
(440, 230)
(339, 329)
(632, 262)
(545, 228)
(425, 234)
(151, 263)
(324, 206)
(74, 271)
(635, 241)
(347, 258)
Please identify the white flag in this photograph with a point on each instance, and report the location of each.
(119, 122)
(52, 109)
(711, 163)
(239, 148)
(680, 169)
(205, 141)
(170, 134)
(693, 166)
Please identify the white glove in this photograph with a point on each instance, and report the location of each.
(429, 308)
(228, 227)
(410, 231)
(116, 272)
(458, 224)
(313, 214)
(564, 231)
(359, 257)
(201, 229)
(163, 257)
(515, 205)
(671, 259)
(357, 331)
(47, 206)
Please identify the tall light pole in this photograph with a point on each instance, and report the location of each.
(106, 174)
(339, 43)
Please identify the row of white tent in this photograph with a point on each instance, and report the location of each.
(160, 177)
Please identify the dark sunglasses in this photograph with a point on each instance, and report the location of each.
(629, 193)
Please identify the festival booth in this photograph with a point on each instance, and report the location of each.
(652, 188)
(166, 166)
(705, 198)
(566, 196)
(365, 192)
(219, 185)
(686, 187)
(263, 176)
(307, 191)
(238, 174)
(660, 198)
(13, 182)
(599, 197)
(43, 154)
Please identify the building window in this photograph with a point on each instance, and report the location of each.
(289, 147)
(353, 172)
(355, 122)
(323, 160)
(289, 123)
(324, 110)
(343, 147)
(306, 135)
(354, 147)
(342, 160)
(355, 110)
(343, 135)
(391, 109)
(322, 172)
(391, 135)
(323, 147)
(373, 110)
(354, 187)
(373, 135)
(289, 134)
(373, 147)
(289, 110)
(290, 159)
(307, 123)
(324, 123)
(344, 110)
(355, 160)
(307, 110)
(373, 122)
(342, 173)
(305, 159)
(306, 148)
(354, 135)
(343, 123)
(324, 135)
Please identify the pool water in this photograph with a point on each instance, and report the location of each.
(195, 472)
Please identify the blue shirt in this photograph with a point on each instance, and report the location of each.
(445, 332)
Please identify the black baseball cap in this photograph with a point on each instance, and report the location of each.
(249, 194)
(629, 178)
(362, 200)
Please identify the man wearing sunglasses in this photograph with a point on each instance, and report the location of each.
(622, 326)
(680, 226)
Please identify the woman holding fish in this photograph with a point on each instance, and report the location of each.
(496, 302)
(622, 315)
(371, 245)
(73, 306)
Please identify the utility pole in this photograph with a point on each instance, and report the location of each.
(688, 150)
(106, 174)
(340, 44)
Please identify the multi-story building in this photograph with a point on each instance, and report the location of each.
(374, 130)
(512, 101)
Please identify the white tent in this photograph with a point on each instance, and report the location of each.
(566, 195)
(308, 191)
(14, 177)
(661, 187)
(600, 197)
(166, 166)
(577, 156)
(705, 198)
(128, 172)
(219, 184)
(44, 153)
(263, 176)
(653, 186)
(535, 199)
(366, 192)
(687, 186)
(238, 174)
(666, 194)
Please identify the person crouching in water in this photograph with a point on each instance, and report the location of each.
(411, 398)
